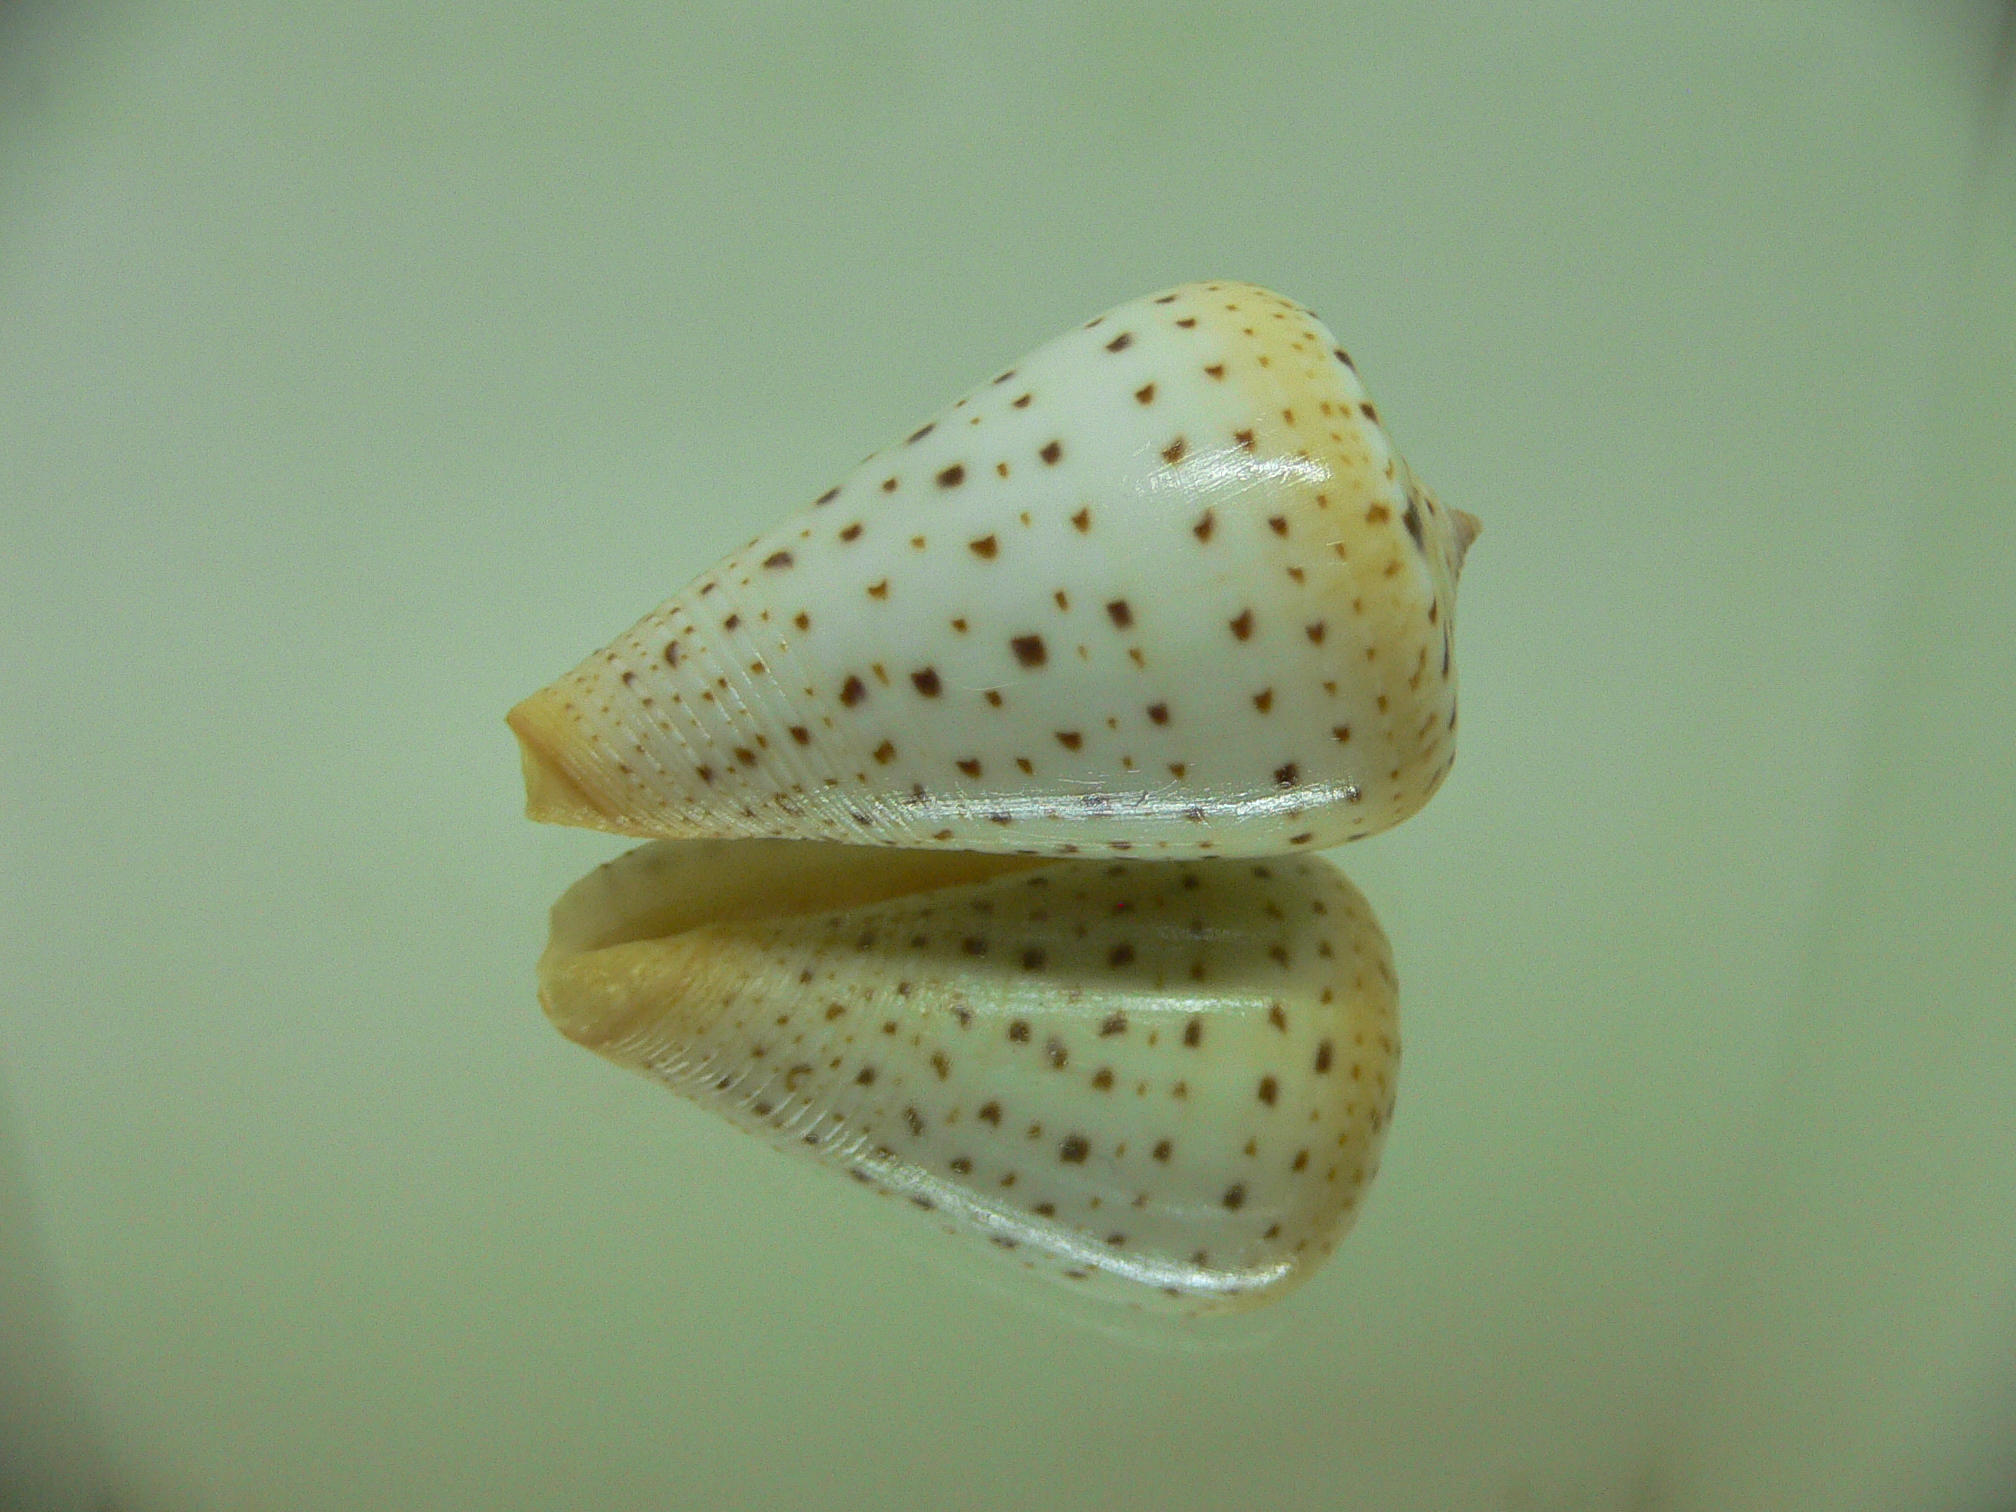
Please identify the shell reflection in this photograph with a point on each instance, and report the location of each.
(1165, 1081)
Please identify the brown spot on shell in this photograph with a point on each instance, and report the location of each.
(1029, 650)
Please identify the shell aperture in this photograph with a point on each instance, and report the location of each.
(1163, 587)
(1165, 1082)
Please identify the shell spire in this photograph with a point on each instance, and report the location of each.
(1164, 586)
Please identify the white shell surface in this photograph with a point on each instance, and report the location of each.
(1168, 1084)
(1165, 585)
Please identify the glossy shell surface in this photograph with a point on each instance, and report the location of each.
(1165, 587)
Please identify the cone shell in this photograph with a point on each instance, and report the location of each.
(1164, 586)
(1167, 1084)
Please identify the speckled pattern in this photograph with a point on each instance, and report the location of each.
(1164, 586)
(1167, 1084)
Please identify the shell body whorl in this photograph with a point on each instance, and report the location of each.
(1163, 587)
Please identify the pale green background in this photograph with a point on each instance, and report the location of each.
(363, 364)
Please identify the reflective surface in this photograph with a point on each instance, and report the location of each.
(1165, 1083)
(354, 361)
